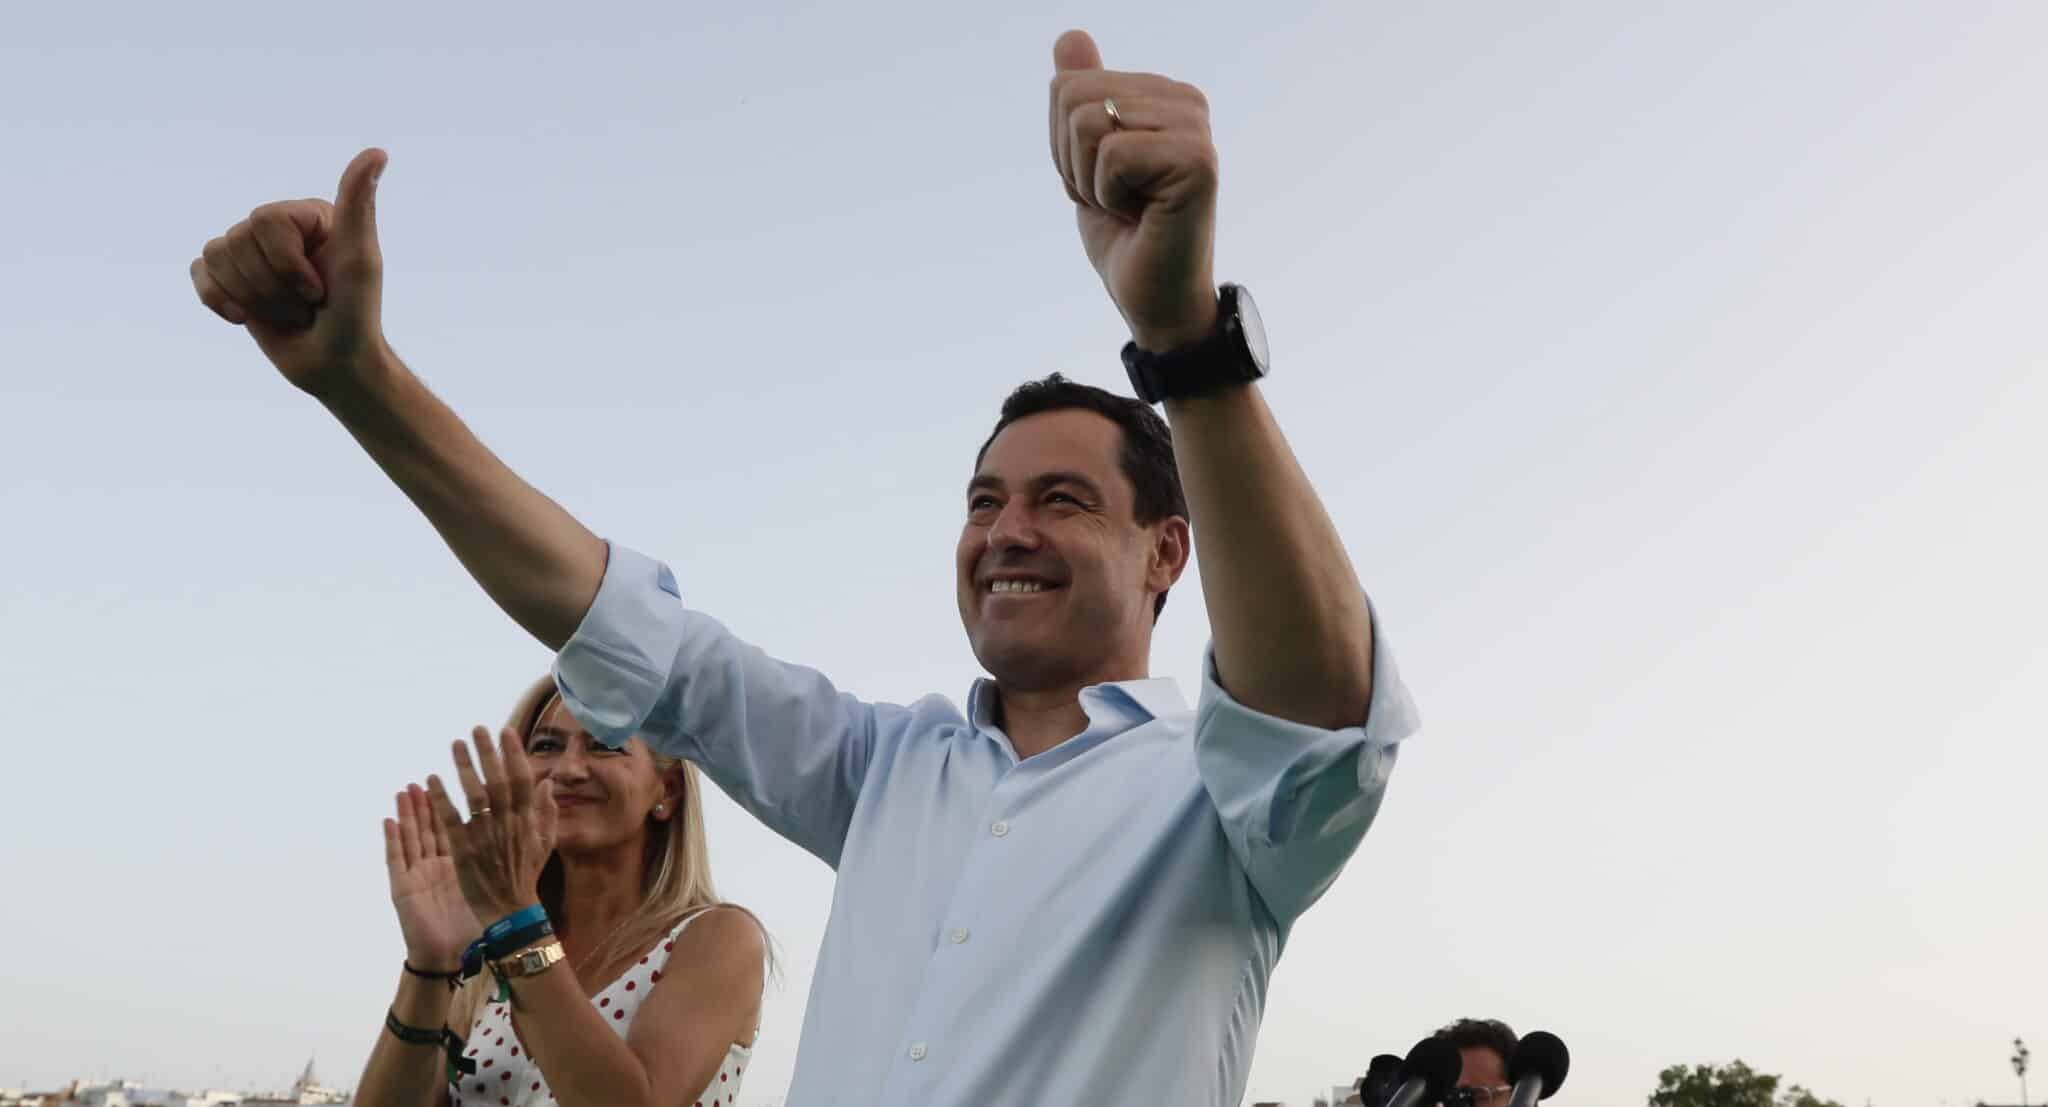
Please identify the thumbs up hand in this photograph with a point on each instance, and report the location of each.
(305, 277)
(1135, 153)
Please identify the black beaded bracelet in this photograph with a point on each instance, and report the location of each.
(411, 1035)
(453, 979)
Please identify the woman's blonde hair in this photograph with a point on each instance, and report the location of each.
(675, 876)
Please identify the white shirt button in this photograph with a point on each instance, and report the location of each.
(999, 828)
(959, 935)
(917, 1052)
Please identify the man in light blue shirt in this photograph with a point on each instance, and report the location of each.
(1095, 922)
(1074, 891)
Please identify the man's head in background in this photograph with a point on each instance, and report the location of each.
(1485, 1046)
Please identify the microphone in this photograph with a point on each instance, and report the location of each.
(1538, 1067)
(1378, 1084)
(1429, 1071)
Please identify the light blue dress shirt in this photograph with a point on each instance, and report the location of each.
(1090, 927)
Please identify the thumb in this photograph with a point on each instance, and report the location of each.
(355, 201)
(1075, 50)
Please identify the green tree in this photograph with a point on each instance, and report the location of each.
(1731, 1085)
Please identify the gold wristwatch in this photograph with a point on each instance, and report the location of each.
(529, 962)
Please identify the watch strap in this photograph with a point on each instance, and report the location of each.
(1218, 361)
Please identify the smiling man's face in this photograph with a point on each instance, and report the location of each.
(1056, 577)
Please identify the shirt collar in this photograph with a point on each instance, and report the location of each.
(1131, 702)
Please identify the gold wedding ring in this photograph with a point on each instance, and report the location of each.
(1116, 120)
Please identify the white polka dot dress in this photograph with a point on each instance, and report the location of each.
(506, 1076)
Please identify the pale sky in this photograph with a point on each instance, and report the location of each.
(1673, 372)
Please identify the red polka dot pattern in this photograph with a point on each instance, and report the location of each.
(521, 1084)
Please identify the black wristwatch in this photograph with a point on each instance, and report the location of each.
(1234, 353)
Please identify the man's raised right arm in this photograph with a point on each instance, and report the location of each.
(305, 278)
(534, 559)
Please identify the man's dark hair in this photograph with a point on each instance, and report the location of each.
(1490, 1034)
(1147, 456)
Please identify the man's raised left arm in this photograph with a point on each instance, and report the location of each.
(1289, 624)
(1292, 636)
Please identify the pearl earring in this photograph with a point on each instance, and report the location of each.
(661, 809)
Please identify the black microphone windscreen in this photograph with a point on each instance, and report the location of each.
(1436, 1062)
(1540, 1053)
(1380, 1079)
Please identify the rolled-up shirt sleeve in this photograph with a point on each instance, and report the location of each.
(778, 738)
(1296, 800)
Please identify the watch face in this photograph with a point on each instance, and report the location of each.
(1254, 329)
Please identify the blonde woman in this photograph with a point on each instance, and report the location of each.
(609, 975)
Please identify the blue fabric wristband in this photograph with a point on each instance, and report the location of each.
(517, 940)
(517, 920)
(505, 936)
